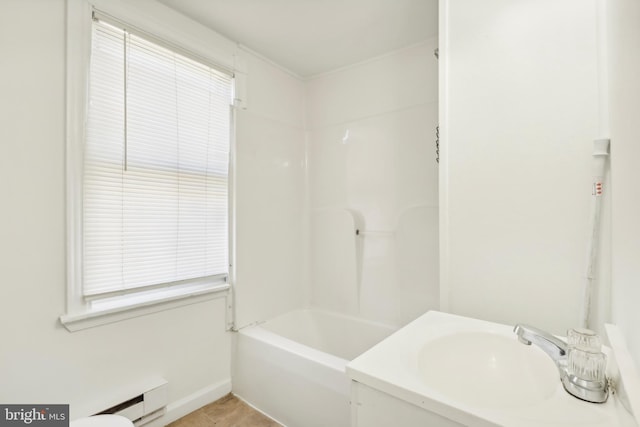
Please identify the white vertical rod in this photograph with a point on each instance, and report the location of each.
(600, 153)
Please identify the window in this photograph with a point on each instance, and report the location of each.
(155, 173)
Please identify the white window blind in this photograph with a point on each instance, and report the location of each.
(156, 163)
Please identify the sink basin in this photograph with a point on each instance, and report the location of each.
(443, 367)
(488, 370)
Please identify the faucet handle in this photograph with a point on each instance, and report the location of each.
(584, 338)
(586, 364)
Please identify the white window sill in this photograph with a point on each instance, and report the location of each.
(96, 317)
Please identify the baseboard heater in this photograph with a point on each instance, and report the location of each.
(144, 407)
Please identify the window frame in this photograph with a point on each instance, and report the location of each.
(184, 35)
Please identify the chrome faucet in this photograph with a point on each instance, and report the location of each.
(554, 347)
(591, 391)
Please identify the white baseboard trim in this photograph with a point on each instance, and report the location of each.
(195, 401)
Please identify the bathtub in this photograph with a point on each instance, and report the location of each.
(292, 367)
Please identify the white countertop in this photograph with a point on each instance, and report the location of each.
(392, 366)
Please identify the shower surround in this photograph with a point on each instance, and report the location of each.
(373, 187)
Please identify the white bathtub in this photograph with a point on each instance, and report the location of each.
(293, 367)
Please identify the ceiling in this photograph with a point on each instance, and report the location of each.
(309, 37)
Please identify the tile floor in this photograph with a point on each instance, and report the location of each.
(226, 412)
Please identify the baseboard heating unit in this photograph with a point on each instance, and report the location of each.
(144, 407)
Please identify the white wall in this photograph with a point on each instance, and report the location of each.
(519, 113)
(270, 195)
(624, 68)
(381, 178)
(40, 361)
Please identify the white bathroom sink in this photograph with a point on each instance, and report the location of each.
(474, 373)
(484, 369)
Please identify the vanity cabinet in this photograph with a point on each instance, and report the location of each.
(374, 408)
